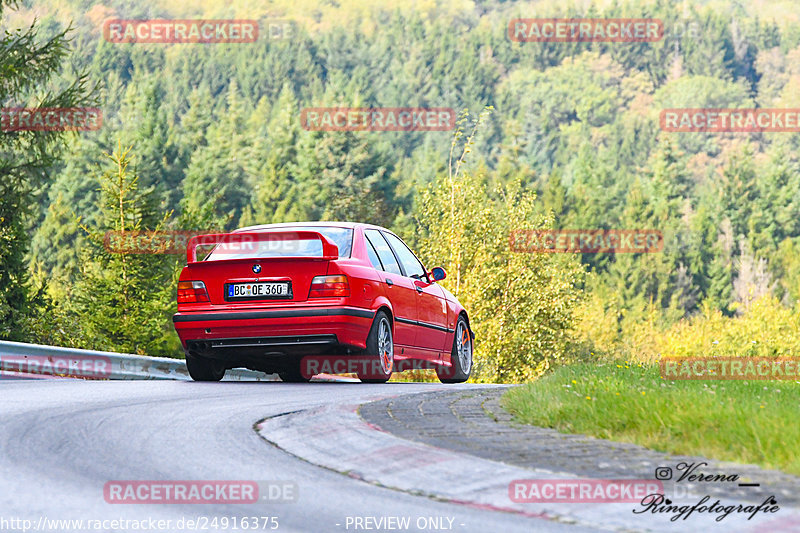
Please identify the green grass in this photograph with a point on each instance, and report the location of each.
(741, 421)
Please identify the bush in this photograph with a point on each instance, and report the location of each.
(766, 329)
(520, 305)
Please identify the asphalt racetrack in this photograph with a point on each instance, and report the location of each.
(63, 441)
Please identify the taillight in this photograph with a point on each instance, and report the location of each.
(190, 292)
(329, 286)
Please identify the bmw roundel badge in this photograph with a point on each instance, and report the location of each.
(256, 268)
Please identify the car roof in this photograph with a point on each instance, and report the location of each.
(334, 224)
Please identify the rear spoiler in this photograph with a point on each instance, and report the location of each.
(330, 251)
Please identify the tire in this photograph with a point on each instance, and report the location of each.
(201, 369)
(292, 374)
(460, 356)
(380, 342)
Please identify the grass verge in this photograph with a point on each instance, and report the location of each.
(741, 421)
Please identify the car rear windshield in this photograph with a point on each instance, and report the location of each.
(341, 237)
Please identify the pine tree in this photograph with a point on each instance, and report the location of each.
(146, 125)
(216, 182)
(29, 64)
(125, 299)
(272, 163)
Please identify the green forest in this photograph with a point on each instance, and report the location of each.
(550, 135)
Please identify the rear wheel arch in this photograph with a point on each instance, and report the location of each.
(380, 343)
(385, 308)
(466, 318)
(461, 353)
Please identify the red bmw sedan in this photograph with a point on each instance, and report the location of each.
(266, 297)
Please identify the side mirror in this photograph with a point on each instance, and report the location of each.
(438, 274)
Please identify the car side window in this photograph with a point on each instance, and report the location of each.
(373, 256)
(384, 252)
(411, 264)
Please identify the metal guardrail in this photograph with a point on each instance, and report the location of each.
(23, 360)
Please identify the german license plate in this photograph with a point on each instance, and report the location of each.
(258, 291)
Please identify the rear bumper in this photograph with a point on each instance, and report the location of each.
(259, 347)
(287, 330)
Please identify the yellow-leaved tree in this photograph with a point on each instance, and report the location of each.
(520, 304)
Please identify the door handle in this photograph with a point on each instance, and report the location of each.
(419, 289)
(389, 282)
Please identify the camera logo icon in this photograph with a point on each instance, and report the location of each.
(663, 473)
